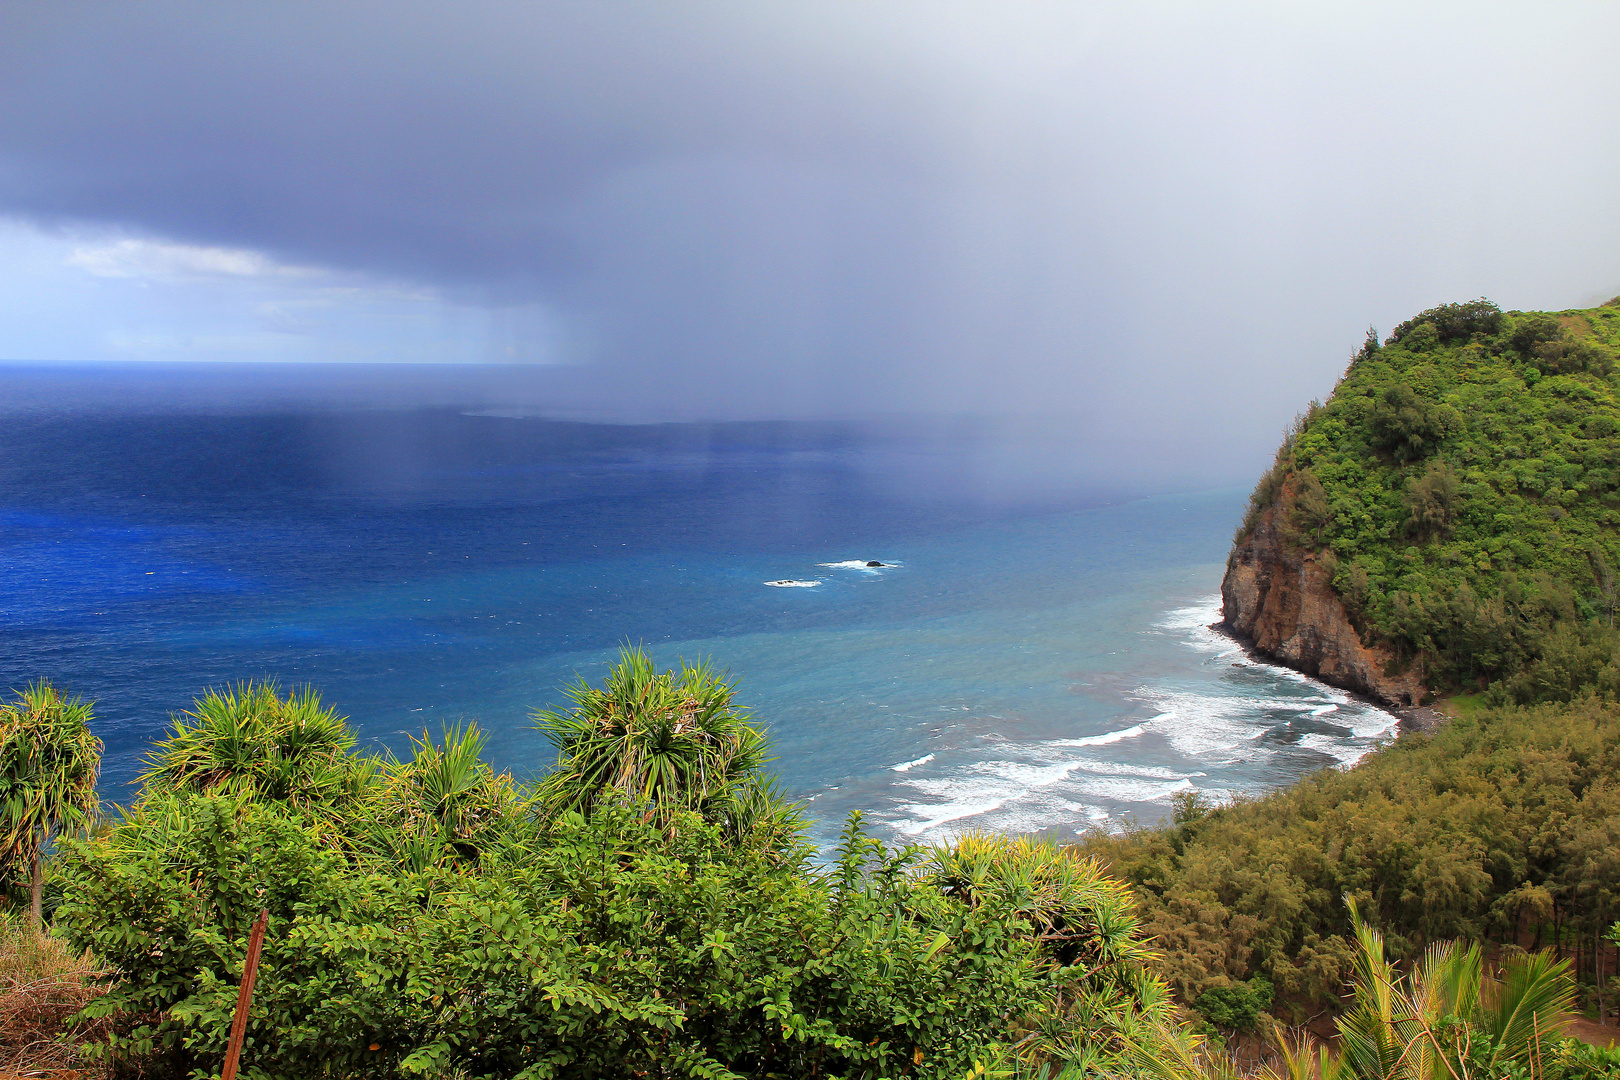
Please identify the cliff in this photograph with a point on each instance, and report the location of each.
(1452, 505)
(1278, 599)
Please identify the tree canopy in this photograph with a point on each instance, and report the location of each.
(1463, 483)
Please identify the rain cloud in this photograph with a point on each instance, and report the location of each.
(1165, 225)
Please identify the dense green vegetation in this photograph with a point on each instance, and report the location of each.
(1443, 1019)
(1503, 827)
(1462, 483)
(651, 908)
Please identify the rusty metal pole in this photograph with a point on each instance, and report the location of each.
(244, 997)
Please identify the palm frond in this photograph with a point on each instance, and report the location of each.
(1527, 1006)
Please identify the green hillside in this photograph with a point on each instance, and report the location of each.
(1462, 483)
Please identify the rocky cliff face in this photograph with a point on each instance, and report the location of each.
(1279, 600)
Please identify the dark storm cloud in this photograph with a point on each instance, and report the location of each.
(1158, 221)
(431, 140)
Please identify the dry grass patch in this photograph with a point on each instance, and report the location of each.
(42, 983)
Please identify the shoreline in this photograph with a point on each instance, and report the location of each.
(1409, 719)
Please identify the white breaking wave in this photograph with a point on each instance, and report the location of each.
(792, 583)
(1025, 795)
(1226, 728)
(1209, 727)
(1018, 797)
(1378, 725)
(1215, 729)
(1347, 753)
(1195, 623)
(1197, 616)
(1108, 736)
(1119, 768)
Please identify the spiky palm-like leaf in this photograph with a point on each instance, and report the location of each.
(444, 805)
(1165, 1051)
(669, 740)
(1303, 1058)
(1085, 925)
(249, 740)
(49, 762)
(1447, 1017)
(1079, 914)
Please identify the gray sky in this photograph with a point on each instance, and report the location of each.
(1154, 220)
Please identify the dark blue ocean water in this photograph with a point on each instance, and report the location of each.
(1026, 662)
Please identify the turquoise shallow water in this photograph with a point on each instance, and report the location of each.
(1075, 683)
(1015, 666)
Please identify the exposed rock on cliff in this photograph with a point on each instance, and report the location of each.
(1278, 598)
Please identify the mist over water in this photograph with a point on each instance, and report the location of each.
(1032, 655)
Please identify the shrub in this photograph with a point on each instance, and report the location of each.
(1571, 1059)
(1308, 512)
(1406, 426)
(1531, 330)
(1236, 1007)
(1453, 322)
(617, 943)
(1429, 501)
(1569, 354)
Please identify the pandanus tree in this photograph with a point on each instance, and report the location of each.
(49, 762)
(1087, 934)
(668, 741)
(250, 741)
(443, 805)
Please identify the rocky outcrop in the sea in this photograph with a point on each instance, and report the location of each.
(1278, 599)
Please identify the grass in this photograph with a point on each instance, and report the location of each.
(42, 983)
(1462, 706)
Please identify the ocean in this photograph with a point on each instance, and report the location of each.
(1024, 660)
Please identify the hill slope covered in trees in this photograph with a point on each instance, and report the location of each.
(1443, 524)
(1458, 492)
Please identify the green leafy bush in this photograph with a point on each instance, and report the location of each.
(615, 943)
(1571, 1059)
(1238, 1006)
(1452, 323)
(635, 919)
(1407, 427)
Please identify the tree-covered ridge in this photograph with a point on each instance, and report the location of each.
(1462, 484)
